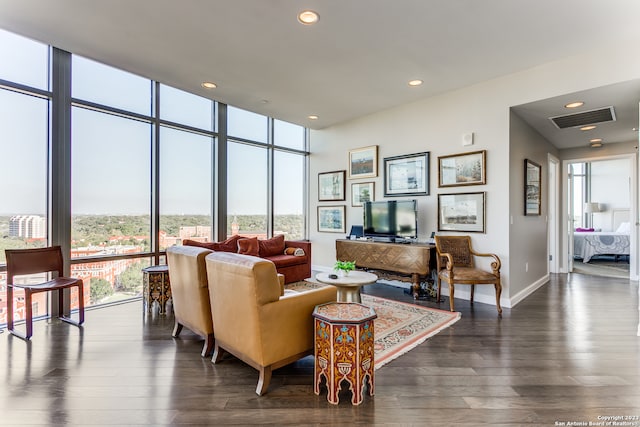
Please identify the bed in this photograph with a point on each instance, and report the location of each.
(587, 244)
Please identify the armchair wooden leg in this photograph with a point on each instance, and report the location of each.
(452, 291)
(208, 345)
(473, 291)
(498, 287)
(263, 382)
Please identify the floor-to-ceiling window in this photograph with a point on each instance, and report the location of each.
(266, 176)
(143, 171)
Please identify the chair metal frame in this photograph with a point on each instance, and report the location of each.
(39, 260)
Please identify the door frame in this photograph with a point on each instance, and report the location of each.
(567, 264)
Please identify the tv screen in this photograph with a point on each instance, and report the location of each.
(391, 219)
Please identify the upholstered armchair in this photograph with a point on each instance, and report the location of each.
(456, 265)
(190, 293)
(255, 321)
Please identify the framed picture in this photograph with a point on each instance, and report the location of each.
(361, 192)
(331, 219)
(462, 169)
(407, 175)
(532, 180)
(461, 212)
(331, 186)
(363, 162)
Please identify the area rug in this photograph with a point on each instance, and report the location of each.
(399, 327)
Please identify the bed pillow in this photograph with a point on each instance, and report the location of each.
(625, 227)
(584, 230)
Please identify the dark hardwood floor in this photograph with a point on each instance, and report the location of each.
(567, 354)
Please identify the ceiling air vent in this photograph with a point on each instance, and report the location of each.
(584, 118)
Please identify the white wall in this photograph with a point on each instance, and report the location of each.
(437, 124)
(611, 187)
(527, 234)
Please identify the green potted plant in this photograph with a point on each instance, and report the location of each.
(344, 267)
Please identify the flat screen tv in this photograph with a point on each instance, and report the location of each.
(391, 219)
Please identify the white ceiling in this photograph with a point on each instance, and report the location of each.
(355, 61)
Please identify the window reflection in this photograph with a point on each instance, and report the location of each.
(185, 187)
(288, 135)
(111, 181)
(288, 195)
(247, 125)
(182, 107)
(247, 190)
(23, 194)
(101, 84)
(24, 61)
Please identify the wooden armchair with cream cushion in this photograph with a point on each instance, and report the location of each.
(255, 320)
(456, 265)
(190, 292)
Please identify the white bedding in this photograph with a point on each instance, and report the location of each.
(588, 244)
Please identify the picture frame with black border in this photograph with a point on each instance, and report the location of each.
(331, 186)
(407, 175)
(532, 188)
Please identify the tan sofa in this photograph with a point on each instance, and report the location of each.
(254, 320)
(190, 292)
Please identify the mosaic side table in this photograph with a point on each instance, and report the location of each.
(156, 287)
(344, 348)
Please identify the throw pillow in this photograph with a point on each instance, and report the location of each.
(294, 251)
(229, 245)
(271, 247)
(248, 246)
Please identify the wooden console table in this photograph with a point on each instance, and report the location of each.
(413, 259)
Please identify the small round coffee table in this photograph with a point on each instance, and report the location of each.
(348, 285)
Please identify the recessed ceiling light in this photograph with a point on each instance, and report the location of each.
(596, 144)
(308, 17)
(312, 117)
(574, 104)
(209, 85)
(596, 140)
(416, 82)
(590, 127)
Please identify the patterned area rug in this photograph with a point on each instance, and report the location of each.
(399, 327)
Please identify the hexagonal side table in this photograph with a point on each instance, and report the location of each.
(344, 348)
(156, 287)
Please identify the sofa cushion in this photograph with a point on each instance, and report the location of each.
(248, 246)
(272, 246)
(286, 260)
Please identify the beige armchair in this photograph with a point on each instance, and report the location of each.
(254, 320)
(190, 293)
(456, 265)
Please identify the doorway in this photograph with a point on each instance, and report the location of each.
(600, 194)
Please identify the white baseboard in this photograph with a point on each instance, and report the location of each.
(515, 299)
